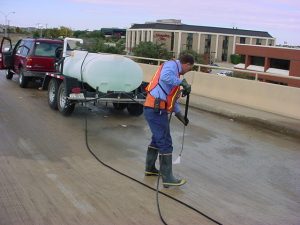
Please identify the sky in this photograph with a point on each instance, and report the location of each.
(281, 18)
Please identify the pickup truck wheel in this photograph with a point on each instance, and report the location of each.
(52, 93)
(65, 107)
(135, 109)
(23, 81)
(9, 74)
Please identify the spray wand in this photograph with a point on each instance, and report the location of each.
(177, 161)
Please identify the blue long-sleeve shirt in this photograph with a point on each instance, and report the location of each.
(169, 78)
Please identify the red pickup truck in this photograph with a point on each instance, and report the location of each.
(30, 58)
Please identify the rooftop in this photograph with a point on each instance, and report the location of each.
(161, 25)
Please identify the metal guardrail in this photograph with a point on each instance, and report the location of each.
(257, 73)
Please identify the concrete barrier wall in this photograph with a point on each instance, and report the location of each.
(148, 70)
(272, 98)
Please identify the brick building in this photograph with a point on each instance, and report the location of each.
(274, 60)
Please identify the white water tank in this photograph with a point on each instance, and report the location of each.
(106, 72)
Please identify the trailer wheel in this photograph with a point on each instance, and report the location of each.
(23, 81)
(120, 106)
(52, 93)
(135, 109)
(65, 107)
(9, 74)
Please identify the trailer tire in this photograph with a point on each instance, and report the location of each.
(9, 74)
(23, 81)
(52, 93)
(64, 105)
(135, 109)
(120, 106)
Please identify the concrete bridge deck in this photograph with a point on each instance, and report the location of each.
(237, 173)
(259, 118)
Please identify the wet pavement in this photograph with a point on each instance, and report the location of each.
(237, 173)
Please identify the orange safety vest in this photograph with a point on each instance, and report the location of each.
(171, 97)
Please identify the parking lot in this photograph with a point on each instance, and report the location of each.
(237, 173)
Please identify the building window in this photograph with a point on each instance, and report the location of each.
(189, 41)
(257, 61)
(242, 40)
(207, 44)
(280, 64)
(270, 42)
(225, 48)
(258, 41)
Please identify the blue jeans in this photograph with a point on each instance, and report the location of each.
(160, 129)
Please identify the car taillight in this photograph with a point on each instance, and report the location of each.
(29, 62)
(76, 90)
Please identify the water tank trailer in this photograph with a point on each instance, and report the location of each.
(98, 77)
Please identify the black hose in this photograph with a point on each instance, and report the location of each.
(131, 178)
(187, 102)
(157, 200)
(145, 185)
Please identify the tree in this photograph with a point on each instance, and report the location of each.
(65, 32)
(89, 34)
(151, 50)
(36, 34)
(120, 45)
(18, 30)
(235, 58)
(100, 45)
(80, 33)
(55, 32)
(95, 34)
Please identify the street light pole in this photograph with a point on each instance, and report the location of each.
(6, 24)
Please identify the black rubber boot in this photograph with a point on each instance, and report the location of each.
(166, 172)
(151, 157)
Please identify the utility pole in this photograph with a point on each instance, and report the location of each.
(6, 21)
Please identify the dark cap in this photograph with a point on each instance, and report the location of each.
(187, 58)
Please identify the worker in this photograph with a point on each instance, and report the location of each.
(163, 92)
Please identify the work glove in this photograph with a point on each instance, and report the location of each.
(186, 87)
(179, 116)
(184, 93)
